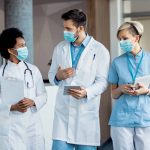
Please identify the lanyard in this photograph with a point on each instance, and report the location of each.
(77, 57)
(137, 68)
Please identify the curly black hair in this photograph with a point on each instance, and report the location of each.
(8, 40)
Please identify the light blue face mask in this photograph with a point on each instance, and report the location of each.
(22, 53)
(126, 45)
(69, 36)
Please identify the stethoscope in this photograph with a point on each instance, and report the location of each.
(28, 84)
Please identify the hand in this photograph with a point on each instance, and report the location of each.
(17, 107)
(78, 94)
(26, 103)
(63, 74)
(127, 89)
(141, 89)
(22, 105)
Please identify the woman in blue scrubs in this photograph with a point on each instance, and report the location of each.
(130, 118)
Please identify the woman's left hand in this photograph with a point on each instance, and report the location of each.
(26, 103)
(141, 90)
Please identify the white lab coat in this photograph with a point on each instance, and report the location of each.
(77, 121)
(23, 131)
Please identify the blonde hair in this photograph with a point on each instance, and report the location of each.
(134, 27)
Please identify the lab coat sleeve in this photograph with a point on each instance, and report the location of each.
(53, 68)
(41, 95)
(100, 84)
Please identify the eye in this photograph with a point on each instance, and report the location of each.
(123, 38)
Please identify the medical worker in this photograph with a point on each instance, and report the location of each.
(82, 61)
(130, 118)
(20, 125)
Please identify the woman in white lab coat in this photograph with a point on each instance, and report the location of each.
(20, 125)
(76, 120)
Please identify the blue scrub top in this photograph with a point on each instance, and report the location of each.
(130, 111)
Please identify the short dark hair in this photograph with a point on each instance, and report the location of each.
(8, 40)
(77, 16)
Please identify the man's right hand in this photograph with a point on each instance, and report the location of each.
(63, 74)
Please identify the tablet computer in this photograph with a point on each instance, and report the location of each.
(67, 87)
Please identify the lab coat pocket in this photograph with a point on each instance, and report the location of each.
(4, 143)
(88, 63)
(4, 124)
(4, 127)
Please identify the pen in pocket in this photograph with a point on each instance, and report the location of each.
(94, 56)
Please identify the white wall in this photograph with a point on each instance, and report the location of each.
(47, 115)
(145, 42)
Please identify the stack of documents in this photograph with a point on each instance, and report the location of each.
(144, 80)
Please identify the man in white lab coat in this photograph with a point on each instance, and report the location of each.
(20, 125)
(82, 63)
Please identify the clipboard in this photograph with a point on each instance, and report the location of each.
(144, 80)
(12, 90)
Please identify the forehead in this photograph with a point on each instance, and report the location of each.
(68, 23)
(19, 41)
(124, 33)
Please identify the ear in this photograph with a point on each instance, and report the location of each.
(81, 28)
(137, 38)
(9, 51)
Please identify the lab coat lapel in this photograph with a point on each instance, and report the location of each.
(67, 55)
(85, 51)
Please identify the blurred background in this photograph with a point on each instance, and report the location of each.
(40, 21)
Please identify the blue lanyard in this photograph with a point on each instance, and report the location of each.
(137, 68)
(76, 59)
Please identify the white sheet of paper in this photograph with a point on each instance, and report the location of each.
(12, 90)
(66, 88)
(145, 80)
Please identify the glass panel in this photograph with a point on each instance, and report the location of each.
(139, 10)
(136, 6)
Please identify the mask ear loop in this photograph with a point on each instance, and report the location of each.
(13, 53)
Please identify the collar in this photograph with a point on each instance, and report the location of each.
(138, 55)
(21, 63)
(85, 41)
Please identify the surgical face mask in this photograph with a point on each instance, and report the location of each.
(22, 53)
(126, 45)
(70, 36)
